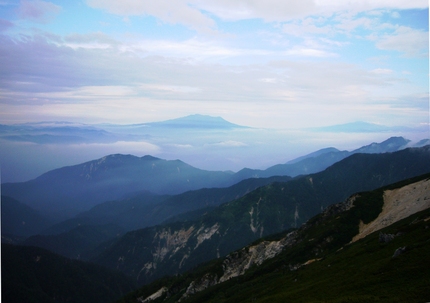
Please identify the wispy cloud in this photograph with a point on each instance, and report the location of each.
(229, 143)
(38, 11)
(409, 41)
(182, 12)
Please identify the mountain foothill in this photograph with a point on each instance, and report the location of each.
(141, 229)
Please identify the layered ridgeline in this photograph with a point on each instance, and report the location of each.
(323, 158)
(19, 220)
(68, 132)
(70, 190)
(63, 193)
(78, 237)
(153, 252)
(31, 274)
(370, 248)
(147, 209)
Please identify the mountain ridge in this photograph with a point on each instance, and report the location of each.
(85, 185)
(152, 252)
(319, 245)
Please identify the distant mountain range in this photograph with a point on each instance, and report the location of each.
(323, 158)
(199, 122)
(67, 191)
(67, 132)
(153, 252)
(206, 142)
(72, 133)
(188, 224)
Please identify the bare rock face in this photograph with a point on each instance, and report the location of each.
(237, 263)
(399, 203)
(201, 284)
(167, 243)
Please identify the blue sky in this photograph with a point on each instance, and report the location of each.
(288, 69)
(275, 64)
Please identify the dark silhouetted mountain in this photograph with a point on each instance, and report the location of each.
(127, 213)
(78, 242)
(322, 261)
(69, 190)
(321, 159)
(315, 154)
(390, 145)
(150, 253)
(31, 274)
(20, 220)
(421, 143)
(147, 209)
(77, 237)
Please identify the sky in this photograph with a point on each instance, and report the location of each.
(273, 64)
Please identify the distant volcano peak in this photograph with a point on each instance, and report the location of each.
(197, 121)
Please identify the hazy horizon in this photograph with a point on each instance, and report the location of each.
(28, 150)
(295, 72)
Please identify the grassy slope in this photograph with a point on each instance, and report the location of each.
(364, 271)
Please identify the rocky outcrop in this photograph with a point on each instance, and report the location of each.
(398, 204)
(238, 262)
(324, 235)
(170, 243)
(154, 296)
(201, 284)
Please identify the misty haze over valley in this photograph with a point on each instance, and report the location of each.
(214, 151)
(205, 142)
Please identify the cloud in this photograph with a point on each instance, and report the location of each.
(173, 12)
(382, 71)
(199, 14)
(270, 10)
(309, 52)
(97, 40)
(181, 146)
(282, 10)
(229, 143)
(46, 79)
(170, 88)
(409, 41)
(38, 11)
(5, 25)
